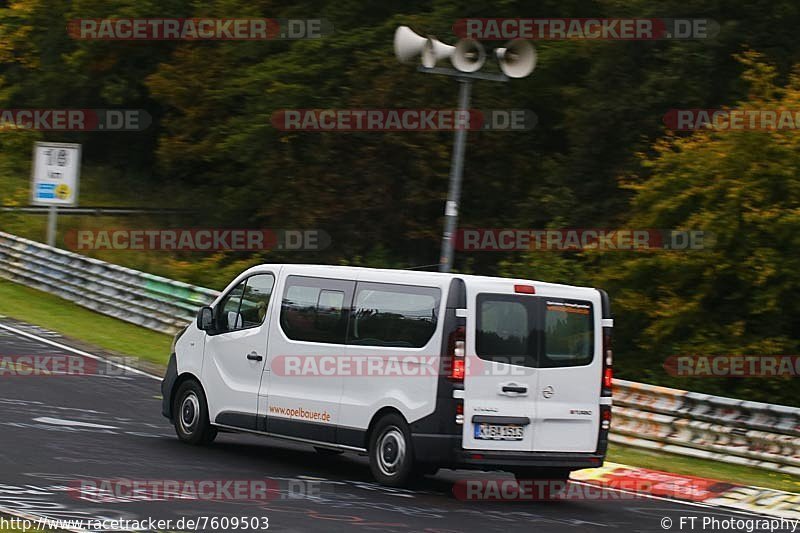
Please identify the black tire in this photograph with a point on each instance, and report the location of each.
(391, 455)
(327, 452)
(190, 414)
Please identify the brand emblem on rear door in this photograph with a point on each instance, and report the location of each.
(548, 392)
(579, 412)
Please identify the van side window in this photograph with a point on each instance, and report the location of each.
(568, 333)
(255, 301)
(393, 315)
(316, 309)
(506, 330)
(227, 315)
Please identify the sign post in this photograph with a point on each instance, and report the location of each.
(55, 176)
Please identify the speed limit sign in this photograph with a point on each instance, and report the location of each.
(55, 174)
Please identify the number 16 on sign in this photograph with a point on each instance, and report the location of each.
(54, 179)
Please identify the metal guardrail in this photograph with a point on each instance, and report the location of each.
(143, 299)
(645, 416)
(734, 431)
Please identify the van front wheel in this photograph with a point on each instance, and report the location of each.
(391, 456)
(190, 414)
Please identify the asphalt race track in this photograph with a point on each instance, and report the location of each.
(57, 430)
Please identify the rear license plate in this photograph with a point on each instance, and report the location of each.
(498, 432)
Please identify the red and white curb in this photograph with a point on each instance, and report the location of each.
(693, 489)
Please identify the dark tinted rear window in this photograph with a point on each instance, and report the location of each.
(394, 315)
(568, 333)
(534, 331)
(506, 331)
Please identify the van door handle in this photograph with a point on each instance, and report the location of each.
(253, 356)
(515, 388)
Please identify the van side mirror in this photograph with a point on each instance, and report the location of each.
(205, 318)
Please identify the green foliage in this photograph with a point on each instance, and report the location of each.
(739, 295)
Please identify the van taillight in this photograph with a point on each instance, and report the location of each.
(605, 417)
(608, 363)
(459, 412)
(457, 350)
(458, 371)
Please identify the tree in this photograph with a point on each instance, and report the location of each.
(741, 294)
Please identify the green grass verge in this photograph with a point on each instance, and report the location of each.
(690, 466)
(57, 314)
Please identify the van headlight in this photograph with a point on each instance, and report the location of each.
(176, 337)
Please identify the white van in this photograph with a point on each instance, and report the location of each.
(419, 370)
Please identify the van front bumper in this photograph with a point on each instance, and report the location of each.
(446, 451)
(166, 386)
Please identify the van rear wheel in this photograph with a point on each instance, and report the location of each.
(391, 455)
(190, 414)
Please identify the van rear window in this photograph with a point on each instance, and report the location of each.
(506, 330)
(568, 334)
(534, 332)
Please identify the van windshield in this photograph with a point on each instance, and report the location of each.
(534, 332)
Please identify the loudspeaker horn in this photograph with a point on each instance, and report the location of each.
(468, 56)
(435, 50)
(407, 44)
(517, 59)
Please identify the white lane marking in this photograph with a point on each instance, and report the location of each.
(71, 423)
(79, 352)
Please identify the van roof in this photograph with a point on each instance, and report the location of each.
(416, 275)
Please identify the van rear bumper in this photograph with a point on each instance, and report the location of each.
(573, 461)
(446, 450)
